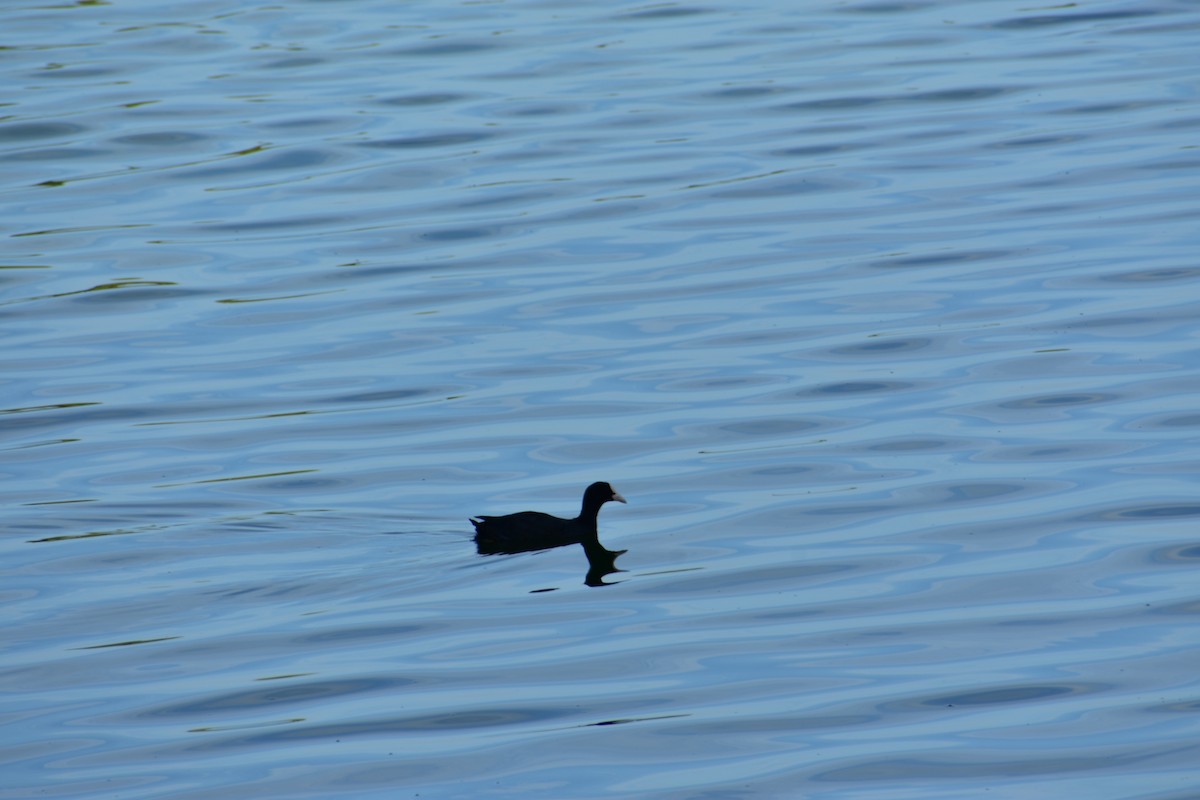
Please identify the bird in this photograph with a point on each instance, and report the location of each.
(534, 530)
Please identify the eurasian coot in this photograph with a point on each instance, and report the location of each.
(533, 530)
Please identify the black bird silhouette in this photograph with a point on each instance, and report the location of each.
(533, 530)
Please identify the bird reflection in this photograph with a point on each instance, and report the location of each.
(527, 531)
(601, 563)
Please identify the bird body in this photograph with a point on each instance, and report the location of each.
(535, 530)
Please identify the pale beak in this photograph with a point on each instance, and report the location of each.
(617, 496)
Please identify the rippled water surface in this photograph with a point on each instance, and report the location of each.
(884, 317)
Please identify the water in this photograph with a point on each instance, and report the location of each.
(882, 315)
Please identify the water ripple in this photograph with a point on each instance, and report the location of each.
(881, 315)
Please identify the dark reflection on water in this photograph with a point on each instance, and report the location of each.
(769, 427)
(1146, 512)
(447, 139)
(1182, 554)
(1167, 421)
(428, 99)
(864, 387)
(55, 154)
(126, 644)
(1058, 400)
(1011, 694)
(1186, 609)
(290, 695)
(421, 723)
(977, 768)
(1032, 21)
(918, 445)
(890, 346)
(1153, 276)
(360, 633)
(1073, 452)
(601, 562)
(970, 492)
(629, 720)
(941, 259)
(23, 131)
(161, 139)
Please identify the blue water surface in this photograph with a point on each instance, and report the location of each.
(882, 315)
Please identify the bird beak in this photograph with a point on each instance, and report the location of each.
(617, 496)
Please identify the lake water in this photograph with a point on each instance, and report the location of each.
(884, 316)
